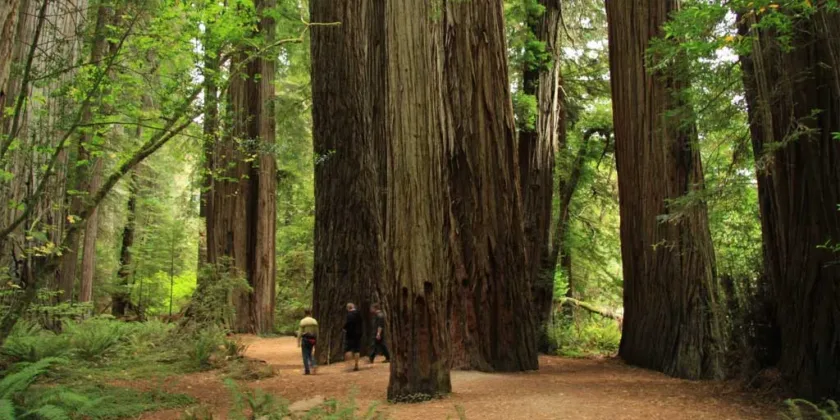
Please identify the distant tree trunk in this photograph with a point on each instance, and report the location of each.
(121, 299)
(210, 131)
(794, 108)
(81, 177)
(241, 223)
(670, 298)
(537, 149)
(8, 29)
(348, 218)
(265, 258)
(89, 244)
(418, 275)
(567, 188)
(492, 306)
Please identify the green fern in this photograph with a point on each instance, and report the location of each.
(799, 409)
(7, 410)
(30, 343)
(95, 338)
(48, 412)
(19, 381)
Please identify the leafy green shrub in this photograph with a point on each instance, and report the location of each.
(146, 335)
(95, 338)
(202, 344)
(587, 336)
(798, 409)
(29, 342)
(259, 404)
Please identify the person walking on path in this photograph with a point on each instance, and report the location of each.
(379, 346)
(352, 335)
(307, 338)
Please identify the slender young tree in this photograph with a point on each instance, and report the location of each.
(348, 217)
(492, 321)
(670, 298)
(793, 94)
(121, 298)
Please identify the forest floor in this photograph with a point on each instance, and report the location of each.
(562, 389)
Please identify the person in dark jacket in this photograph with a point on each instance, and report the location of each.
(379, 334)
(353, 335)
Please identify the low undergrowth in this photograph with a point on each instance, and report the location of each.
(584, 335)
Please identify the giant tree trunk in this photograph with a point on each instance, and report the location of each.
(794, 108)
(418, 276)
(241, 221)
(536, 160)
(492, 321)
(348, 219)
(670, 301)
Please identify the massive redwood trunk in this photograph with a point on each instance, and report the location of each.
(241, 221)
(794, 108)
(418, 281)
(537, 148)
(670, 301)
(492, 322)
(346, 88)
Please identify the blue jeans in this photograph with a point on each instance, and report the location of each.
(308, 359)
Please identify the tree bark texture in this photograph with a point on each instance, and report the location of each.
(242, 219)
(418, 279)
(537, 164)
(794, 109)
(670, 298)
(9, 11)
(347, 85)
(492, 324)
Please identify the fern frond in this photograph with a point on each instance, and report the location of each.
(19, 381)
(48, 412)
(7, 409)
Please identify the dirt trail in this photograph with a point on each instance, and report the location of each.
(562, 389)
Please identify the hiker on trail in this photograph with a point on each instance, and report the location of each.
(379, 334)
(307, 337)
(352, 335)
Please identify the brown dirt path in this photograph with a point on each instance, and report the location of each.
(562, 389)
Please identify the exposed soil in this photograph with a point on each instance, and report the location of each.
(562, 389)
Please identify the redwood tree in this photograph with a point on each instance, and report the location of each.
(670, 320)
(348, 216)
(241, 221)
(793, 93)
(492, 322)
(418, 278)
(537, 145)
